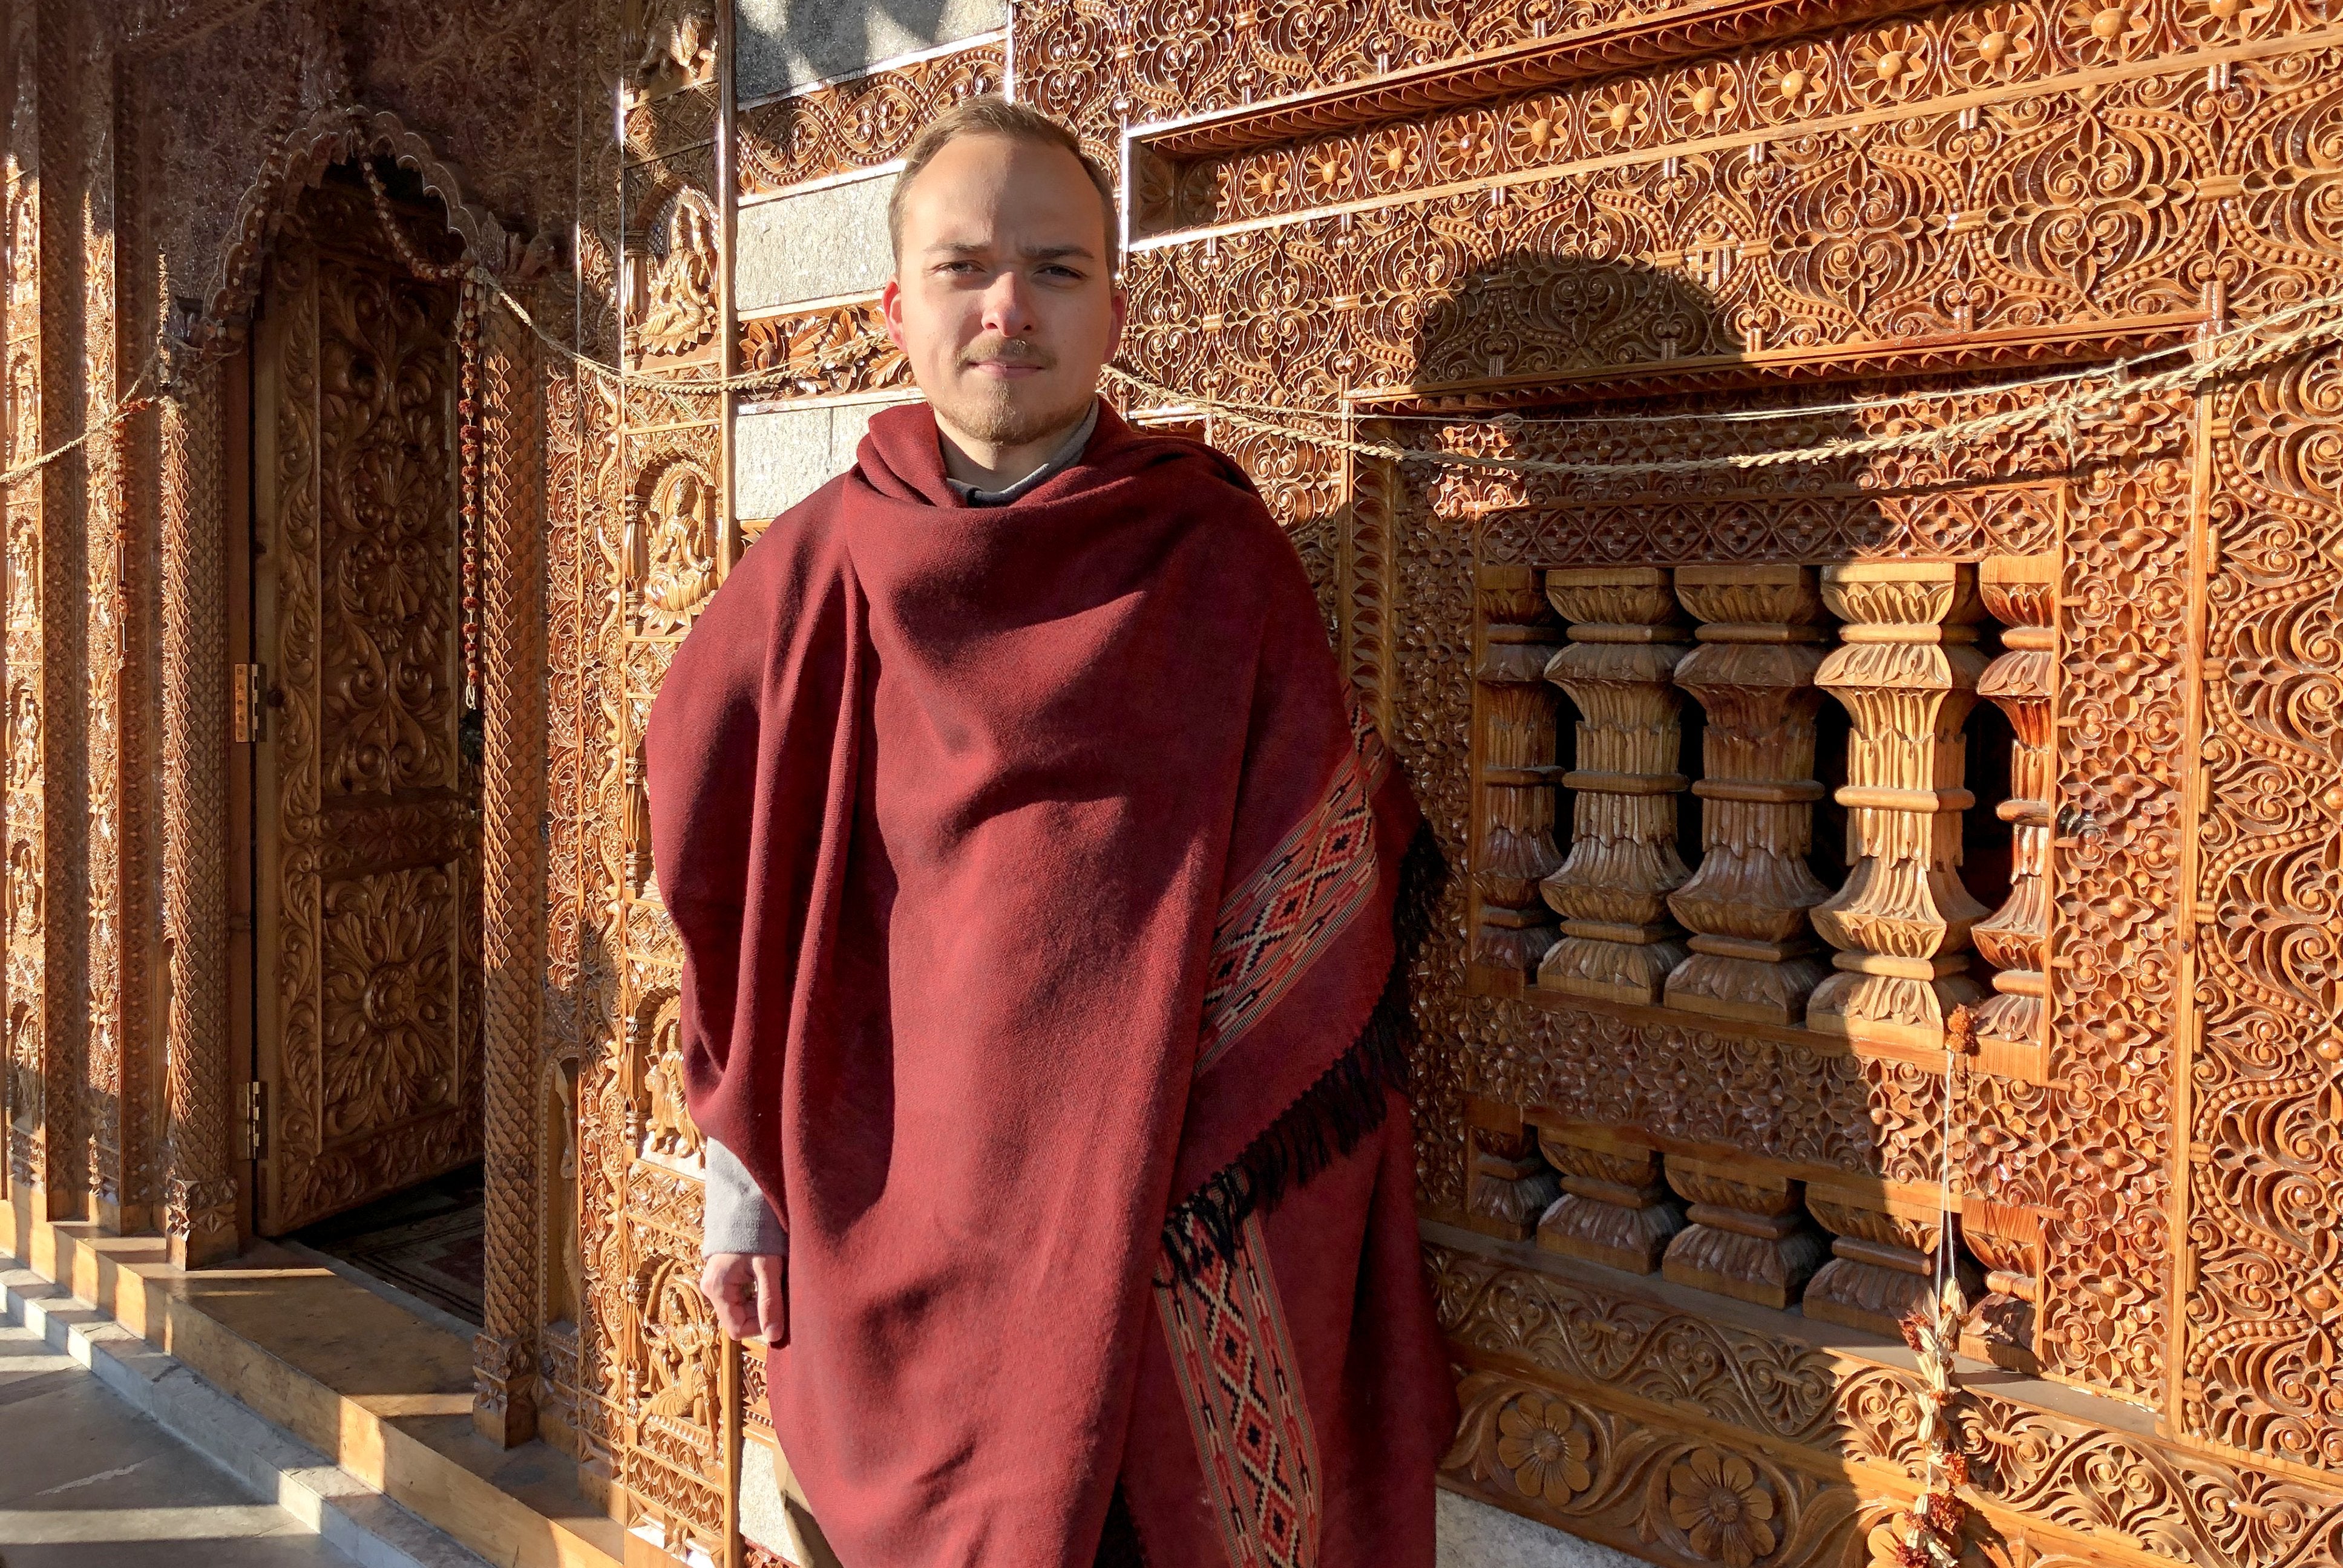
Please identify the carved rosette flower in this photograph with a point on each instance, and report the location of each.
(1395, 158)
(1545, 1446)
(1725, 1511)
(1534, 130)
(1996, 44)
(1889, 63)
(1616, 119)
(2106, 32)
(1706, 97)
(1797, 79)
(2223, 21)
(1327, 171)
(1466, 146)
(1265, 185)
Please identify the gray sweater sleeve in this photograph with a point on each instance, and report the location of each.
(738, 1219)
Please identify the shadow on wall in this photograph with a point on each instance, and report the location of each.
(1544, 355)
(1537, 314)
(779, 45)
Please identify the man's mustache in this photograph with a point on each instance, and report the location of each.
(1007, 351)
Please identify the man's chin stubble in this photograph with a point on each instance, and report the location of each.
(996, 419)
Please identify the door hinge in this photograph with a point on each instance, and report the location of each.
(247, 719)
(255, 1120)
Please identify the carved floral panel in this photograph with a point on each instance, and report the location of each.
(857, 124)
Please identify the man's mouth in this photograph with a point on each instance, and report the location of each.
(1008, 365)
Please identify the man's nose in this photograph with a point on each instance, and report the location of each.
(1009, 306)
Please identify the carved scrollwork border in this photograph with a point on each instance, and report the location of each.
(1564, 1378)
(331, 136)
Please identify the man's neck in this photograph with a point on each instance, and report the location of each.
(987, 466)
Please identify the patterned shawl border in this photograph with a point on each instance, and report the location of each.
(1328, 1120)
(1285, 915)
(1234, 1357)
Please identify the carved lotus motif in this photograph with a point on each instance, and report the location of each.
(1722, 1507)
(1542, 1442)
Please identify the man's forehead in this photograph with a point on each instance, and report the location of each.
(1045, 181)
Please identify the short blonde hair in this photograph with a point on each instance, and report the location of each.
(994, 116)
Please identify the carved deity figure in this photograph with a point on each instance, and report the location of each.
(678, 52)
(673, 551)
(676, 1336)
(668, 1130)
(680, 314)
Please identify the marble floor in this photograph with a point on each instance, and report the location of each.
(86, 1482)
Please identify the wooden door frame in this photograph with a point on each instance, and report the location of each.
(239, 861)
(207, 517)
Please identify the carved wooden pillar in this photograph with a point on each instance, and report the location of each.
(1511, 1186)
(1882, 1255)
(1615, 1208)
(1907, 674)
(201, 1197)
(1753, 674)
(1617, 939)
(2008, 1239)
(1518, 771)
(512, 687)
(1748, 1238)
(2021, 591)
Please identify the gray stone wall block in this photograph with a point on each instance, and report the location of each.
(784, 455)
(778, 45)
(816, 245)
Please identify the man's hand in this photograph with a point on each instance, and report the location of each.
(750, 1295)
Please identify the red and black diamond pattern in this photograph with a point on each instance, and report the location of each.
(1286, 912)
(1235, 1364)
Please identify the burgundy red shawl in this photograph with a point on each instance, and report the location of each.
(1036, 887)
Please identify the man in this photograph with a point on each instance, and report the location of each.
(1041, 1006)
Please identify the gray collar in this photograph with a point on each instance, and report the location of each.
(1062, 459)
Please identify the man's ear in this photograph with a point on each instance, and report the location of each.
(1122, 298)
(890, 311)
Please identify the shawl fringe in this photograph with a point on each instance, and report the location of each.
(1330, 1118)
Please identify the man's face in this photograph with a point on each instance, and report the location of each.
(1001, 300)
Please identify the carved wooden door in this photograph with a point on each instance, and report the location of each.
(366, 843)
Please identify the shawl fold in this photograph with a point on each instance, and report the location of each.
(1036, 882)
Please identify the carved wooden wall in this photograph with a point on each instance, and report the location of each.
(1751, 776)
(2043, 726)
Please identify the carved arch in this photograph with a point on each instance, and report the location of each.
(332, 135)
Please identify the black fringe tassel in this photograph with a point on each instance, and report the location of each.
(1332, 1115)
